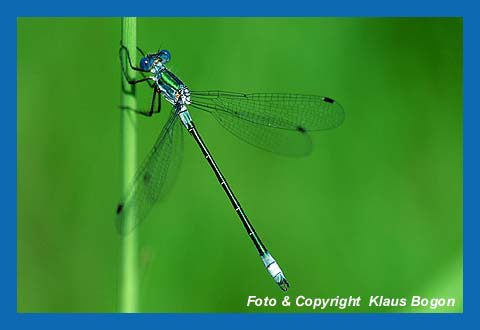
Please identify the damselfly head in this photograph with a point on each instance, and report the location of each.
(147, 62)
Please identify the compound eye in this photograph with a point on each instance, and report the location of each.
(145, 63)
(164, 56)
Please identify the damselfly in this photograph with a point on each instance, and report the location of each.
(272, 121)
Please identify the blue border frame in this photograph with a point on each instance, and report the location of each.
(244, 8)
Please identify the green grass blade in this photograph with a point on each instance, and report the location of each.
(129, 243)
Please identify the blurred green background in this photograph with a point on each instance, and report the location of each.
(376, 209)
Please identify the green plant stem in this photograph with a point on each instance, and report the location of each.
(129, 243)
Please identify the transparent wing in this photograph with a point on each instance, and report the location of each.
(272, 121)
(154, 178)
(281, 141)
(287, 111)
